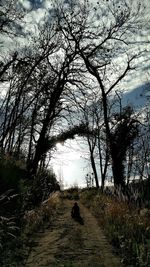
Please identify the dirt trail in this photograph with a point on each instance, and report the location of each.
(68, 244)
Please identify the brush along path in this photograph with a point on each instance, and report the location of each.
(69, 244)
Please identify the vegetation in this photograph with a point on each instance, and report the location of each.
(21, 211)
(126, 225)
(71, 193)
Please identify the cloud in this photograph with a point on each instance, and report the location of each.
(26, 4)
(36, 16)
(48, 4)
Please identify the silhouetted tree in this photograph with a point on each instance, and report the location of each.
(123, 133)
(99, 34)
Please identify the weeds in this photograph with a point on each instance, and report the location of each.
(71, 194)
(8, 226)
(35, 219)
(10, 243)
(127, 227)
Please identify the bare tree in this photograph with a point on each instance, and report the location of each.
(100, 35)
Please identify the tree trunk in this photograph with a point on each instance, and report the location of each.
(94, 170)
(118, 168)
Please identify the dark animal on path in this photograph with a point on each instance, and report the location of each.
(75, 213)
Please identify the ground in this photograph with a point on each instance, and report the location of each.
(67, 243)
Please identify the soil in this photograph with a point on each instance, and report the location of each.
(67, 243)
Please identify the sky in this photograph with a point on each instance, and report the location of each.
(70, 160)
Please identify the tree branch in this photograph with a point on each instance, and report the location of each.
(121, 76)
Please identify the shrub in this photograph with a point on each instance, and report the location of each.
(39, 188)
(11, 172)
(71, 193)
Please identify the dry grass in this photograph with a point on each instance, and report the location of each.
(126, 226)
(35, 219)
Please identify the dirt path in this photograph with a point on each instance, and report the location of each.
(68, 244)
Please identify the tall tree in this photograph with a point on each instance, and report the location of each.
(101, 34)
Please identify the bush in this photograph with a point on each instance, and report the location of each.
(71, 193)
(12, 171)
(39, 189)
(22, 194)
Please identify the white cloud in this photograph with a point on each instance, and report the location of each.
(47, 4)
(26, 4)
(36, 16)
